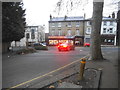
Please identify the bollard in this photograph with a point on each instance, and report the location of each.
(82, 67)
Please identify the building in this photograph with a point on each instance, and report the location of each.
(77, 30)
(66, 29)
(33, 34)
(108, 31)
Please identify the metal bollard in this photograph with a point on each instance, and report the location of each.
(82, 67)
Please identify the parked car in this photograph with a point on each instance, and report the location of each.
(86, 44)
(65, 47)
(40, 46)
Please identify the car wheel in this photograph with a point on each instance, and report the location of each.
(73, 48)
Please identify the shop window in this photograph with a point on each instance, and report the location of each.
(105, 40)
(109, 40)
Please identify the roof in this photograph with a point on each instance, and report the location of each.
(104, 18)
(67, 19)
(59, 19)
(108, 18)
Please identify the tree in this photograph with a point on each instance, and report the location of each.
(95, 50)
(13, 22)
(118, 28)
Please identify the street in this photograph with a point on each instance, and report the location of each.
(20, 68)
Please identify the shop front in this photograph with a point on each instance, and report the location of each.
(79, 40)
(55, 40)
(107, 39)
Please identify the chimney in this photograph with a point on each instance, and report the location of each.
(65, 17)
(109, 16)
(50, 16)
(113, 15)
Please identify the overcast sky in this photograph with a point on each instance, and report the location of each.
(38, 11)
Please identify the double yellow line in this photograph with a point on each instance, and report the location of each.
(44, 74)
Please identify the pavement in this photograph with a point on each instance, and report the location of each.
(109, 68)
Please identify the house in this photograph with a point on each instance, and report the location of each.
(108, 31)
(66, 29)
(33, 34)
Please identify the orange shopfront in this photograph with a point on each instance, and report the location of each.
(54, 40)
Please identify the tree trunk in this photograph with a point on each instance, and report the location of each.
(5, 47)
(95, 48)
(118, 29)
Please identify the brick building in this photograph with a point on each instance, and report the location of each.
(66, 29)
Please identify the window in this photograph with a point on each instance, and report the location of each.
(59, 32)
(89, 23)
(77, 32)
(32, 34)
(69, 33)
(88, 31)
(27, 35)
(53, 32)
(53, 24)
(109, 40)
(111, 30)
(77, 24)
(59, 24)
(69, 24)
(105, 40)
(104, 30)
(104, 23)
(111, 23)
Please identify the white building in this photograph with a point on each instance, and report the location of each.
(33, 34)
(108, 31)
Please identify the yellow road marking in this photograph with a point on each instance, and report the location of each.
(45, 74)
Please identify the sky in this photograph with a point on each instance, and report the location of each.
(38, 11)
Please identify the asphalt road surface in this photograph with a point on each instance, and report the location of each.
(20, 68)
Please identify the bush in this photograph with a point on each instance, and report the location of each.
(25, 51)
(41, 47)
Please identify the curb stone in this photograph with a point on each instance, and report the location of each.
(54, 81)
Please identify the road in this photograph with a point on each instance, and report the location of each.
(20, 68)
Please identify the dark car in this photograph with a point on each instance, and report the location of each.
(65, 47)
